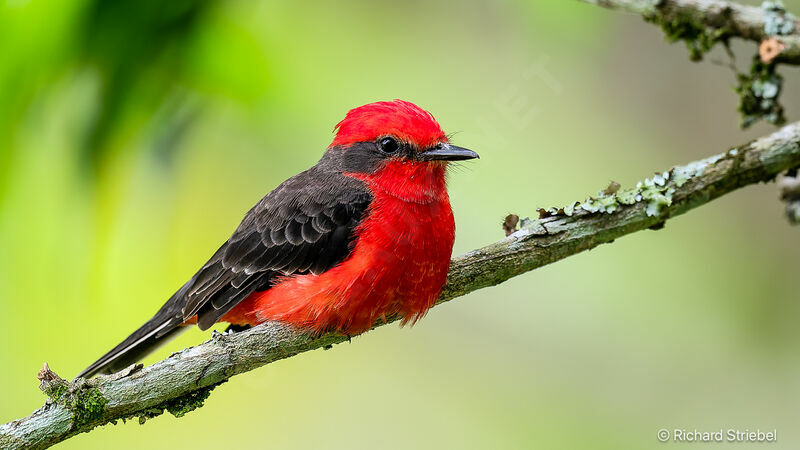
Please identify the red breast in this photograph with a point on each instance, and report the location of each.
(397, 266)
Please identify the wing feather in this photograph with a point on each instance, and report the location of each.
(295, 229)
(307, 224)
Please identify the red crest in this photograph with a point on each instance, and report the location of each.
(401, 119)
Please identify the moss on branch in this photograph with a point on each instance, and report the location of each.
(702, 24)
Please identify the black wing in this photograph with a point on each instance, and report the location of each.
(305, 225)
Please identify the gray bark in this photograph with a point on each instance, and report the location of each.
(747, 22)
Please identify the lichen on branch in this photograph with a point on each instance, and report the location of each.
(702, 24)
(759, 94)
(790, 194)
(684, 26)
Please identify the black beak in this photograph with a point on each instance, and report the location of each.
(447, 152)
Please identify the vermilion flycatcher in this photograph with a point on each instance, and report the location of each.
(364, 234)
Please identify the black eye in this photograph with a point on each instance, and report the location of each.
(388, 145)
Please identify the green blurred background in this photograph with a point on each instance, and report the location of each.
(134, 135)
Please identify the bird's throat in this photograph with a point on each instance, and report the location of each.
(411, 181)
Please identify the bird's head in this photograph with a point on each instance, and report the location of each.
(397, 144)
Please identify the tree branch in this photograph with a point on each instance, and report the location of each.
(702, 24)
(790, 194)
(719, 20)
(181, 382)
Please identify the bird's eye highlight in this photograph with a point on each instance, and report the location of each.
(388, 145)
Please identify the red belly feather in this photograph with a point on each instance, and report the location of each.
(398, 264)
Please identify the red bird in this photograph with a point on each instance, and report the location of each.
(364, 234)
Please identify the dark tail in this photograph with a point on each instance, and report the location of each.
(155, 332)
